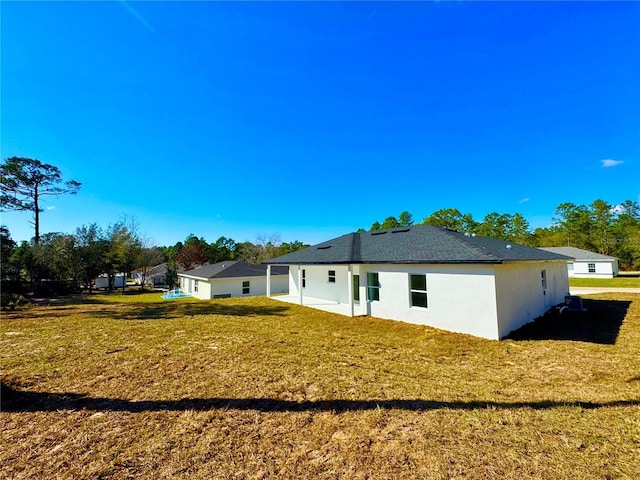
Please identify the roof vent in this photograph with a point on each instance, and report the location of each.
(324, 248)
(378, 233)
(400, 231)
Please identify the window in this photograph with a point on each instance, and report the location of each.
(543, 279)
(592, 268)
(418, 289)
(246, 287)
(304, 278)
(332, 276)
(373, 287)
(356, 288)
(195, 285)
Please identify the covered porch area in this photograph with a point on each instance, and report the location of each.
(317, 303)
(325, 287)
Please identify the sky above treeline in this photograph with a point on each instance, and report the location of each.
(308, 120)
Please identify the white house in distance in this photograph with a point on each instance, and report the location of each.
(430, 276)
(586, 264)
(233, 278)
(119, 281)
(155, 276)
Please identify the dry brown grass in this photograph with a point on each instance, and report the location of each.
(126, 387)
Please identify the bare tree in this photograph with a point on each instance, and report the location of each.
(150, 257)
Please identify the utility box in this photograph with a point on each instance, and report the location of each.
(573, 303)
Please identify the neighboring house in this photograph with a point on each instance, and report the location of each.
(587, 264)
(233, 278)
(430, 276)
(156, 276)
(103, 281)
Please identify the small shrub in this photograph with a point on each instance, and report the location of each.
(9, 301)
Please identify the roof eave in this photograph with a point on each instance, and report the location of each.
(397, 262)
(193, 276)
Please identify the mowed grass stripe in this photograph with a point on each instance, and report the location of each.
(129, 386)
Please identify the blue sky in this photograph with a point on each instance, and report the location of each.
(309, 120)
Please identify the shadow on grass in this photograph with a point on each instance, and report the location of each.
(599, 324)
(99, 296)
(23, 401)
(628, 275)
(175, 309)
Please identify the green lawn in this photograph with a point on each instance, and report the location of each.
(623, 280)
(113, 386)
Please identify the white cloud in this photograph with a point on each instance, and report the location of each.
(524, 200)
(617, 209)
(52, 207)
(610, 163)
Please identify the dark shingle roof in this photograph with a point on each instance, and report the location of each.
(232, 269)
(419, 244)
(160, 270)
(578, 253)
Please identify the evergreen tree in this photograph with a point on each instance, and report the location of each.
(23, 181)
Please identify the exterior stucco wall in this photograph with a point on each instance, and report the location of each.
(188, 285)
(317, 283)
(604, 269)
(487, 301)
(233, 286)
(459, 298)
(520, 293)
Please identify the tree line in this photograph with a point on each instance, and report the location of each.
(599, 227)
(196, 251)
(62, 263)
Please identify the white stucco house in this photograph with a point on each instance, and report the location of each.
(430, 276)
(233, 278)
(119, 281)
(586, 264)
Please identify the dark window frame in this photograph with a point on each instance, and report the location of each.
(415, 292)
(373, 287)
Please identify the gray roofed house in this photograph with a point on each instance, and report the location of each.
(155, 276)
(231, 269)
(232, 278)
(587, 264)
(419, 244)
(428, 275)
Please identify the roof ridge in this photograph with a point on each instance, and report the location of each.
(588, 254)
(356, 242)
